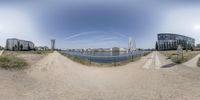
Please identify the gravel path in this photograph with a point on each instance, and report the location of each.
(193, 62)
(1, 52)
(57, 78)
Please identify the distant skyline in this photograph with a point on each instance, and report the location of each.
(97, 23)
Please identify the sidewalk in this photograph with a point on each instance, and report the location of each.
(192, 62)
(1, 52)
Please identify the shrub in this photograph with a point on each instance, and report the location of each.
(146, 53)
(12, 62)
(38, 52)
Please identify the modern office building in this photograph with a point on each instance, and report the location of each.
(53, 44)
(169, 41)
(19, 45)
(1, 47)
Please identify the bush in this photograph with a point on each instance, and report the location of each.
(12, 62)
(38, 52)
(146, 53)
(42, 52)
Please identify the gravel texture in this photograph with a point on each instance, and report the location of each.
(55, 77)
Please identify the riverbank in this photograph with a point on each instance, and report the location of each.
(104, 58)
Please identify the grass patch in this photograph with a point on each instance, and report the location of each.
(181, 59)
(12, 62)
(79, 60)
(76, 59)
(146, 53)
(42, 52)
(15, 53)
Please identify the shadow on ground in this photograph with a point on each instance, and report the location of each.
(168, 65)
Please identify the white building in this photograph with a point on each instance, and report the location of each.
(123, 49)
(19, 45)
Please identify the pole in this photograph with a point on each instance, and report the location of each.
(182, 55)
(177, 57)
(132, 57)
(114, 62)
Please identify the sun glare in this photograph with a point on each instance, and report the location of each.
(196, 27)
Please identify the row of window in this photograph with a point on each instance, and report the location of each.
(174, 45)
(174, 37)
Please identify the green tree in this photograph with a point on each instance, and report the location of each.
(156, 46)
(21, 47)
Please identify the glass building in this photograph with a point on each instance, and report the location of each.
(169, 41)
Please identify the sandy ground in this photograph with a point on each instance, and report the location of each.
(31, 59)
(55, 77)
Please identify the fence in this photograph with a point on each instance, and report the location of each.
(105, 59)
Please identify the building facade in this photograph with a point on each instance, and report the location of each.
(1, 47)
(169, 41)
(14, 44)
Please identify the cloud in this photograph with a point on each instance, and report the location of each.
(77, 35)
(110, 38)
(122, 35)
(72, 36)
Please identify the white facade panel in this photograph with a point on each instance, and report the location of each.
(17, 45)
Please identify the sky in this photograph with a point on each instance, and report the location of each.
(97, 23)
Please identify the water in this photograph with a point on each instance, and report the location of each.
(105, 57)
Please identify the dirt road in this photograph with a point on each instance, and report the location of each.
(192, 62)
(1, 52)
(57, 78)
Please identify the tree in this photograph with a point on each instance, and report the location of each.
(21, 47)
(156, 46)
(15, 47)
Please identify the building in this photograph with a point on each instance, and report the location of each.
(115, 49)
(169, 41)
(53, 44)
(19, 45)
(198, 46)
(123, 49)
(1, 47)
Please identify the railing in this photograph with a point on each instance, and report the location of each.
(91, 57)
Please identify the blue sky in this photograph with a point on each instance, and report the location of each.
(97, 23)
